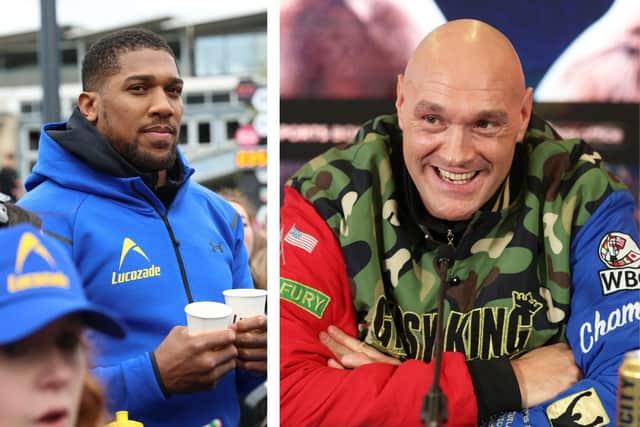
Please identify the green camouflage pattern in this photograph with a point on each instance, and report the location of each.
(512, 261)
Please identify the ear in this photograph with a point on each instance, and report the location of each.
(88, 105)
(525, 113)
(399, 98)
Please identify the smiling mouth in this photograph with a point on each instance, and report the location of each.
(455, 178)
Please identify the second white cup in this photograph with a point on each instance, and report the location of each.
(246, 302)
(204, 316)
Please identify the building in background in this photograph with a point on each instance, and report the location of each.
(224, 65)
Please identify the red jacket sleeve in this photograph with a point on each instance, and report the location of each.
(314, 294)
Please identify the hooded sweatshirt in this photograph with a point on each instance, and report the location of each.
(145, 252)
(552, 257)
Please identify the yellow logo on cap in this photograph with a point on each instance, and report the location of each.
(28, 244)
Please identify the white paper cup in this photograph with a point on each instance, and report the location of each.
(245, 302)
(204, 316)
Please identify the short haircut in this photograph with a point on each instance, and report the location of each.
(101, 60)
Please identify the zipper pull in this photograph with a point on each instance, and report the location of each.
(450, 237)
(444, 254)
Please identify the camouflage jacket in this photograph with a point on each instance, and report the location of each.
(516, 265)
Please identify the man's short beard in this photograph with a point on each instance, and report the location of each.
(145, 162)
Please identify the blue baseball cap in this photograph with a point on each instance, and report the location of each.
(39, 284)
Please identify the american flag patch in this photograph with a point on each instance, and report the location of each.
(302, 240)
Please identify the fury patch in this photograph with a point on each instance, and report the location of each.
(308, 299)
(620, 253)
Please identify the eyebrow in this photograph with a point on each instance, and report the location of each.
(428, 107)
(423, 107)
(148, 78)
(497, 115)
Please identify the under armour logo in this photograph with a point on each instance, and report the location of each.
(216, 247)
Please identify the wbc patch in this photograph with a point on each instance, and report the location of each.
(621, 255)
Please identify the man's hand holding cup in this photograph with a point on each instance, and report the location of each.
(196, 357)
(250, 327)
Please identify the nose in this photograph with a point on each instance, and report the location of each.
(457, 147)
(57, 369)
(161, 104)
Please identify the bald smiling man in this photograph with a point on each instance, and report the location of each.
(541, 298)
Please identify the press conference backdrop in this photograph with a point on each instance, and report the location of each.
(338, 68)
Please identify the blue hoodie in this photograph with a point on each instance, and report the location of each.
(143, 259)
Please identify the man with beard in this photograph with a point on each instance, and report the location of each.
(464, 191)
(146, 239)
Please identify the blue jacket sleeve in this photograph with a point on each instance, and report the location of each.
(604, 320)
(130, 385)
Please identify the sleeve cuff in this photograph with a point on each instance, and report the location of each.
(131, 385)
(156, 372)
(496, 387)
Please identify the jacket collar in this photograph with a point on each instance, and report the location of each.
(81, 138)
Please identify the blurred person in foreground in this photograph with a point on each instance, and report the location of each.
(44, 360)
(146, 239)
(541, 296)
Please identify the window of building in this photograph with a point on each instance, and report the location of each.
(224, 97)
(195, 98)
(238, 54)
(69, 57)
(175, 46)
(30, 107)
(34, 137)
(20, 59)
(204, 133)
(183, 138)
(232, 127)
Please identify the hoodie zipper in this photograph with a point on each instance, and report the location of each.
(176, 246)
(450, 238)
(449, 280)
(450, 243)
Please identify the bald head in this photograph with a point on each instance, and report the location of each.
(469, 54)
(462, 108)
